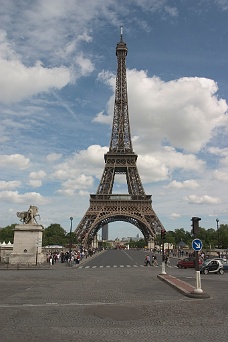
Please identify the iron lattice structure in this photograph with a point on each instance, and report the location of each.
(105, 207)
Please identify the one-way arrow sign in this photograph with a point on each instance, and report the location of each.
(197, 244)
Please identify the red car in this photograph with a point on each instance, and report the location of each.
(188, 263)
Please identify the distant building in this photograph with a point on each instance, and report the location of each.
(105, 232)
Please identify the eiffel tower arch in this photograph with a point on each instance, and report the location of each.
(105, 207)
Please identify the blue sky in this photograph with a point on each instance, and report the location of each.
(58, 67)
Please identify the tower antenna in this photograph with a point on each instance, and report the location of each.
(121, 32)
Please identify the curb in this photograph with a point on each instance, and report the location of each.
(182, 286)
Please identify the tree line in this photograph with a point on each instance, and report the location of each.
(56, 235)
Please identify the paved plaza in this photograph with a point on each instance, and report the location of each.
(63, 303)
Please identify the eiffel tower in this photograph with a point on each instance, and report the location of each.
(105, 207)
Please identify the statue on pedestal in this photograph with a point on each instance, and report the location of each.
(29, 217)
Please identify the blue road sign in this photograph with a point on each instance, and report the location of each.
(197, 245)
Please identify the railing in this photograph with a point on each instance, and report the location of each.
(120, 197)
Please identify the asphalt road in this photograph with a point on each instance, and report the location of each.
(111, 297)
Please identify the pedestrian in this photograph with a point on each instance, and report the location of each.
(155, 261)
(167, 260)
(147, 260)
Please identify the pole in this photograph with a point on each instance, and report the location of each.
(217, 220)
(163, 258)
(195, 226)
(71, 219)
(36, 255)
(198, 288)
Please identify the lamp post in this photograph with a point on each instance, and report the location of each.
(217, 221)
(163, 235)
(71, 219)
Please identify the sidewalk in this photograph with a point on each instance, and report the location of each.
(182, 286)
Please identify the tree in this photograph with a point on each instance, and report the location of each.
(181, 234)
(7, 233)
(223, 236)
(137, 244)
(55, 235)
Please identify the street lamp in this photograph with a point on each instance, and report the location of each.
(217, 220)
(71, 219)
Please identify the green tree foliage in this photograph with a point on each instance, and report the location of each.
(7, 233)
(71, 237)
(222, 235)
(182, 235)
(55, 235)
(137, 244)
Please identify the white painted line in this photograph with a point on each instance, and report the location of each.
(54, 304)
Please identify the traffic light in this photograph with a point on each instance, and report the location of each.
(195, 225)
(163, 234)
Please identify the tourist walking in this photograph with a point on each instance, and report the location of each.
(147, 260)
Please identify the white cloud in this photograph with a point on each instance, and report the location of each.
(38, 175)
(19, 82)
(9, 185)
(79, 183)
(94, 154)
(77, 172)
(66, 192)
(85, 64)
(103, 119)
(84, 193)
(175, 215)
(187, 184)
(223, 4)
(35, 183)
(169, 110)
(172, 11)
(159, 164)
(71, 46)
(152, 168)
(14, 161)
(202, 199)
(33, 198)
(220, 176)
(223, 152)
(53, 157)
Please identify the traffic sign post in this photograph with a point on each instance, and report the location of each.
(197, 245)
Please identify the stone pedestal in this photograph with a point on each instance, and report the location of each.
(27, 247)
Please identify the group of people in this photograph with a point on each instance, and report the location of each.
(151, 262)
(73, 257)
(154, 262)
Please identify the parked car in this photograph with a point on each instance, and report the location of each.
(188, 263)
(212, 266)
(225, 265)
(224, 261)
